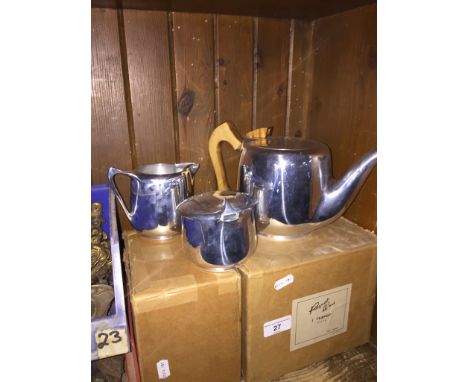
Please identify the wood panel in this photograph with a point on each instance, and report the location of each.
(149, 71)
(109, 132)
(194, 67)
(110, 142)
(344, 98)
(301, 9)
(301, 72)
(271, 77)
(234, 76)
(189, 72)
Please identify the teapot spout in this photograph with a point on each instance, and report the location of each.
(341, 192)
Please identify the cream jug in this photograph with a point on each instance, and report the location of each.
(156, 190)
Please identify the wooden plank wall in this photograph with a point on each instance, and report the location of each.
(161, 81)
(343, 108)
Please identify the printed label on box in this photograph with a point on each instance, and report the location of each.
(276, 326)
(319, 316)
(281, 283)
(163, 369)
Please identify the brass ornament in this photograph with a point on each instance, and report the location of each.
(101, 260)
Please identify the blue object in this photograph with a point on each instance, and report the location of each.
(117, 318)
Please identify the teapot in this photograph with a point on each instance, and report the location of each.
(156, 190)
(291, 180)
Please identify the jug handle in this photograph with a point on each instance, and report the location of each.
(111, 174)
(227, 132)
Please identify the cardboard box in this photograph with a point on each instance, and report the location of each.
(186, 319)
(307, 299)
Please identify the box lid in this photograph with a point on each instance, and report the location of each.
(333, 239)
(160, 275)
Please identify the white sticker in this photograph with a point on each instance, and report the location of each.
(276, 326)
(111, 342)
(281, 283)
(319, 316)
(163, 369)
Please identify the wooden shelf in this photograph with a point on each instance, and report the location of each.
(355, 365)
(299, 9)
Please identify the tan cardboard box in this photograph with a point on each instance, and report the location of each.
(307, 299)
(187, 320)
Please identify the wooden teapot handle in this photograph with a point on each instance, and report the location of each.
(262, 132)
(227, 132)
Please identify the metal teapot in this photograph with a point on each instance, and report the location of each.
(291, 179)
(156, 190)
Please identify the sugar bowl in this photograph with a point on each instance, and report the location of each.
(218, 228)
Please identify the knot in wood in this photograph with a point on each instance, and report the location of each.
(280, 90)
(186, 101)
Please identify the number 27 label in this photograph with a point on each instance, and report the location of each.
(276, 326)
(111, 342)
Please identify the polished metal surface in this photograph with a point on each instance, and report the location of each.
(156, 190)
(292, 181)
(218, 229)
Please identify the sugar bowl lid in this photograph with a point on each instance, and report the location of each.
(223, 205)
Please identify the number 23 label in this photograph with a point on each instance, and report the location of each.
(111, 342)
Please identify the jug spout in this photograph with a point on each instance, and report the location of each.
(341, 192)
(188, 166)
(189, 169)
(193, 167)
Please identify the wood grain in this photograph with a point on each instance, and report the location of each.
(147, 42)
(232, 68)
(226, 132)
(302, 9)
(271, 65)
(194, 67)
(302, 71)
(355, 365)
(110, 143)
(108, 115)
(344, 97)
(234, 76)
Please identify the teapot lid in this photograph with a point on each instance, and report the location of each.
(216, 204)
(289, 144)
